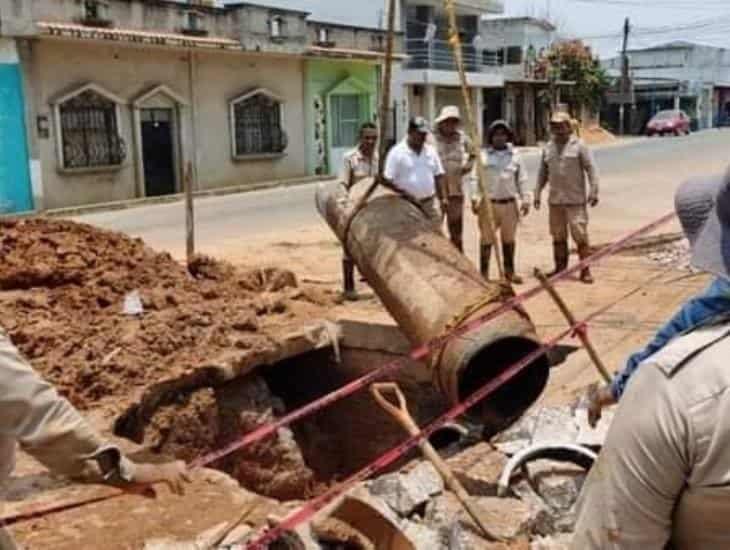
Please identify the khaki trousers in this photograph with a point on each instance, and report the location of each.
(455, 220)
(433, 211)
(506, 220)
(571, 220)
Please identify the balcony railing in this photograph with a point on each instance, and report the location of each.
(438, 55)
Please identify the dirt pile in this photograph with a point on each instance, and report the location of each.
(595, 135)
(62, 297)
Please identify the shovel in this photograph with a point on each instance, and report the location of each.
(404, 418)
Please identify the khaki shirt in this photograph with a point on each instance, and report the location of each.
(46, 425)
(506, 177)
(357, 167)
(457, 156)
(664, 472)
(566, 173)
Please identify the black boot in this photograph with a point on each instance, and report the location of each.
(509, 264)
(348, 279)
(586, 276)
(560, 254)
(485, 253)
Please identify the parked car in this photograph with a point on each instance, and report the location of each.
(665, 123)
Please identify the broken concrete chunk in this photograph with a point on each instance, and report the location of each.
(478, 469)
(554, 425)
(507, 517)
(558, 483)
(421, 536)
(406, 492)
(558, 542)
(592, 437)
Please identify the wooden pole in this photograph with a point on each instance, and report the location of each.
(189, 213)
(570, 318)
(476, 139)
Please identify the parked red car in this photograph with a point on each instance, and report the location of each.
(668, 123)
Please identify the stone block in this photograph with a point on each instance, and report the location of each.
(405, 492)
(478, 469)
(558, 483)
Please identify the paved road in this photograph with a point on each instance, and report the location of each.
(638, 183)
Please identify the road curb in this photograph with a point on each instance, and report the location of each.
(168, 199)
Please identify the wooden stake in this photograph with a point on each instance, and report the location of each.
(189, 213)
(476, 139)
(570, 318)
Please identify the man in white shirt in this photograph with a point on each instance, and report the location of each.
(413, 168)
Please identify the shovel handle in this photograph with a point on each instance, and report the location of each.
(398, 411)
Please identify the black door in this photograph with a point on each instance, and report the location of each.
(158, 152)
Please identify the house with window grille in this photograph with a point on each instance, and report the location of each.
(120, 99)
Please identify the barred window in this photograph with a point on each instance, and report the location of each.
(90, 131)
(257, 125)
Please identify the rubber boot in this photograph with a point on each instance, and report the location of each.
(509, 264)
(585, 274)
(485, 253)
(348, 280)
(560, 254)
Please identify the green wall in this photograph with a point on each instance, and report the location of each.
(323, 75)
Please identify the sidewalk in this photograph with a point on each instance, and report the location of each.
(166, 199)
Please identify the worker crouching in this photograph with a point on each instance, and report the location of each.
(505, 187)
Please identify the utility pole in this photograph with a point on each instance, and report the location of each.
(624, 76)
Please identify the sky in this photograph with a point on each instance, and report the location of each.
(600, 22)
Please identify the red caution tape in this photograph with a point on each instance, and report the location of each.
(307, 511)
(418, 353)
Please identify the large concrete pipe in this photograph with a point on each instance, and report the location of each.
(426, 285)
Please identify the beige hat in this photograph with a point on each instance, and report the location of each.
(561, 117)
(448, 112)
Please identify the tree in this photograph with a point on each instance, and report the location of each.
(572, 60)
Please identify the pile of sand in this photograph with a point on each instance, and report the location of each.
(596, 135)
(62, 293)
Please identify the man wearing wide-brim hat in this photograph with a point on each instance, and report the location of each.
(566, 164)
(663, 476)
(457, 157)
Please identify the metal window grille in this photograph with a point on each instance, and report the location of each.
(258, 126)
(89, 132)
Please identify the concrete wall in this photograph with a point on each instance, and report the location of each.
(128, 72)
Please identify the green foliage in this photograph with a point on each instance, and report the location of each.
(573, 61)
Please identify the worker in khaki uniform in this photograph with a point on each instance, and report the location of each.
(662, 479)
(566, 161)
(47, 427)
(457, 157)
(506, 187)
(360, 163)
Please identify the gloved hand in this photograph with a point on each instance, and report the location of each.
(598, 399)
(174, 474)
(525, 209)
(593, 201)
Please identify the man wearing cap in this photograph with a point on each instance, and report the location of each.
(359, 164)
(506, 187)
(662, 479)
(566, 161)
(413, 168)
(457, 157)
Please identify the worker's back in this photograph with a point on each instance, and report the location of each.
(665, 469)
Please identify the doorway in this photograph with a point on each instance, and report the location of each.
(158, 152)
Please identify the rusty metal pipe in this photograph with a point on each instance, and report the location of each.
(426, 285)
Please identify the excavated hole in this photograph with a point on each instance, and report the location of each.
(336, 441)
